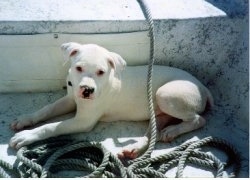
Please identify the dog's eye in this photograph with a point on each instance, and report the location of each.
(79, 69)
(100, 72)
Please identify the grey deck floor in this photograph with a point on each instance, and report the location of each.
(122, 133)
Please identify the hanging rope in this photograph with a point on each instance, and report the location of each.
(152, 121)
(48, 157)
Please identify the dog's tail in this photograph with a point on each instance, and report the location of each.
(210, 100)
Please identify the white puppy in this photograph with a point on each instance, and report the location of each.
(100, 88)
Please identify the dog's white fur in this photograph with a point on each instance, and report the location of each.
(119, 93)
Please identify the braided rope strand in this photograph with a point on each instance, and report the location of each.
(101, 163)
(152, 122)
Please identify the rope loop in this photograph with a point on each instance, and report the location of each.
(47, 158)
(188, 153)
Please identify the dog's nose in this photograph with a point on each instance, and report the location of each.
(87, 91)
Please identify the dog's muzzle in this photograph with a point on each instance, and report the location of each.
(87, 91)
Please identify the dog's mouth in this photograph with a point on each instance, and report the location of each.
(91, 97)
(87, 96)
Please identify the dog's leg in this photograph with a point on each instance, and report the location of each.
(171, 132)
(68, 126)
(132, 151)
(62, 106)
(163, 120)
(182, 100)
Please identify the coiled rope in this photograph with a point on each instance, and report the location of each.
(46, 158)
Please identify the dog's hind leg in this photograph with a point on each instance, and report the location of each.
(182, 100)
(169, 133)
(132, 151)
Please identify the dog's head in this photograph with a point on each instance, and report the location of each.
(92, 68)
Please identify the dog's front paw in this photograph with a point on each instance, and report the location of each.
(22, 122)
(23, 138)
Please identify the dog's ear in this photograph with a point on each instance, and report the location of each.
(117, 62)
(70, 49)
